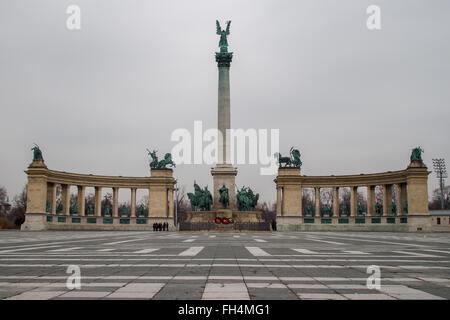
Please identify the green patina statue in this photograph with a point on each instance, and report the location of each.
(224, 196)
(74, 208)
(378, 209)
(292, 161)
(360, 209)
(394, 208)
(223, 42)
(37, 153)
(308, 211)
(59, 208)
(124, 211)
(200, 199)
(155, 164)
(90, 209)
(405, 207)
(326, 211)
(416, 154)
(141, 211)
(107, 210)
(344, 210)
(47, 207)
(246, 199)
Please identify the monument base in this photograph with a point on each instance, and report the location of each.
(224, 174)
(241, 221)
(34, 222)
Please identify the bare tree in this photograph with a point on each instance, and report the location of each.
(19, 207)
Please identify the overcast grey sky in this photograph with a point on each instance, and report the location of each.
(352, 100)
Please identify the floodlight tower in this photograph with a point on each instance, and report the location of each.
(441, 174)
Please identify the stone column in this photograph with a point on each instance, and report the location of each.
(65, 198)
(224, 173)
(36, 197)
(417, 184)
(223, 111)
(51, 196)
(133, 202)
(336, 202)
(370, 200)
(353, 200)
(81, 202)
(317, 202)
(115, 204)
(387, 199)
(98, 202)
(279, 200)
(170, 213)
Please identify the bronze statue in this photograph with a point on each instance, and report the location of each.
(292, 161)
(141, 211)
(308, 211)
(344, 210)
(155, 164)
(37, 153)
(394, 208)
(224, 196)
(378, 209)
(360, 209)
(74, 208)
(416, 154)
(107, 210)
(200, 199)
(223, 42)
(246, 199)
(90, 209)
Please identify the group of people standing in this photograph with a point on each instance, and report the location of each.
(161, 226)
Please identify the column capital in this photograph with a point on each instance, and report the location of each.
(223, 59)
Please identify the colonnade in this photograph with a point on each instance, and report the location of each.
(410, 184)
(43, 184)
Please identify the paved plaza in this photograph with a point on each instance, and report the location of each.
(166, 265)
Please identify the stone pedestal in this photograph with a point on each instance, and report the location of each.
(224, 175)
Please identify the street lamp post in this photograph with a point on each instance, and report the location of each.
(441, 174)
(176, 204)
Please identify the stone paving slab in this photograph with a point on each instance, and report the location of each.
(283, 265)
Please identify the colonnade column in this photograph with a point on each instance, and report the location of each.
(336, 202)
(171, 211)
(65, 198)
(370, 200)
(115, 204)
(387, 199)
(51, 197)
(98, 201)
(317, 202)
(81, 200)
(353, 200)
(279, 213)
(133, 202)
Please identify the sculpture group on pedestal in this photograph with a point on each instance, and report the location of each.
(246, 199)
(155, 164)
(200, 199)
(292, 161)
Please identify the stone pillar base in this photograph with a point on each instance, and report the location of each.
(34, 222)
(224, 174)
